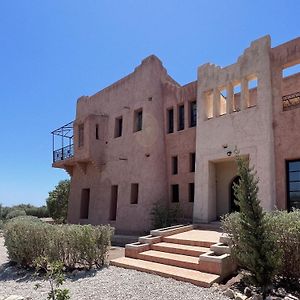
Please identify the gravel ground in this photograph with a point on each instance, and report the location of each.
(108, 283)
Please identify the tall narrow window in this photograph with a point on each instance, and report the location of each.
(85, 204)
(113, 203)
(193, 114)
(175, 192)
(209, 105)
(118, 127)
(293, 184)
(181, 117)
(191, 191)
(170, 113)
(174, 165)
(80, 135)
(138, 120)
(192, 161)
(97, 132)
(134, 197)
(223, 102)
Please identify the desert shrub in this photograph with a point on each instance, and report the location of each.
(73, 245)
(40, 212)
(285, 226)
(15, 213)
(163, 216)
(1, 224)
(57, 202)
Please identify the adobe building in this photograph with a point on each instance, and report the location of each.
(147, 139)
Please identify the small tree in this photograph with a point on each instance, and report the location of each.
(256, 250)
(57, 202)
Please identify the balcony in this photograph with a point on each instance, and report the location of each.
(62, 143)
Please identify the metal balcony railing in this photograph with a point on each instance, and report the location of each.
(61, 137)
(63, 153)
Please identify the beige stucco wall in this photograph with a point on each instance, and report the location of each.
(250, 129)
(286, 123)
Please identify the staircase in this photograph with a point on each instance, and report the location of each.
(182, 252)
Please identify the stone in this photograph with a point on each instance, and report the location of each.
(247, 292)
(290, 297)
(256, 297)
(240, 296)
(15, 297)
(229, 293)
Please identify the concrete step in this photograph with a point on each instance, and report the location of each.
(179, 249)
(195, 277)
(199, 238)
(177, 260)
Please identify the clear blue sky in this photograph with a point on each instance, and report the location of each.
(53, 51)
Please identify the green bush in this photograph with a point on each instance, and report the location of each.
(163, 216)
(15, 213)
(284, 227)
(74, 245)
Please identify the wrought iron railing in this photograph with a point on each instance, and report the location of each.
(291, 100)
(63, 153)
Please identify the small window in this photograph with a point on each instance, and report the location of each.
(192, 161)
(138, 120)
(191, 192)
(113, 203)
(293, 184)
(175, 192)
(193, 114)
(118, 127)
(134, 197)
(80, 135)
(175, 165)
(170, 114)
(181, 117)
(97, 132)
(252, 84)
(85, 203)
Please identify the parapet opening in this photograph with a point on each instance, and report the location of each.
(223, 101)
(252, 87)
(236, 103)
(209, 104)
(292, 70)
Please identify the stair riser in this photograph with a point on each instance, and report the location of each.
(177, 277)
(188, 242)
(170, 262)
(194, 253)
(203, 266)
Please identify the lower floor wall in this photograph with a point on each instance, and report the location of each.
(127, 204)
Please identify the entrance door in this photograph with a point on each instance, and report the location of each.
(233, 206)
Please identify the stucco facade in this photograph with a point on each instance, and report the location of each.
(142, 141)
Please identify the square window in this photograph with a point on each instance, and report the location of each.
(118, 127)
(85, 203)
(181, 117)
(80, 135)
(138, 120)
(170, 117)
(175, 165)
(193, 114)
(191, 191)
(192, 161)
(134, 197)
(175, 193)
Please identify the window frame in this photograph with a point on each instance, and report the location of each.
(288, 181)
(181, 117)
(192, 114)
(138, 125)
